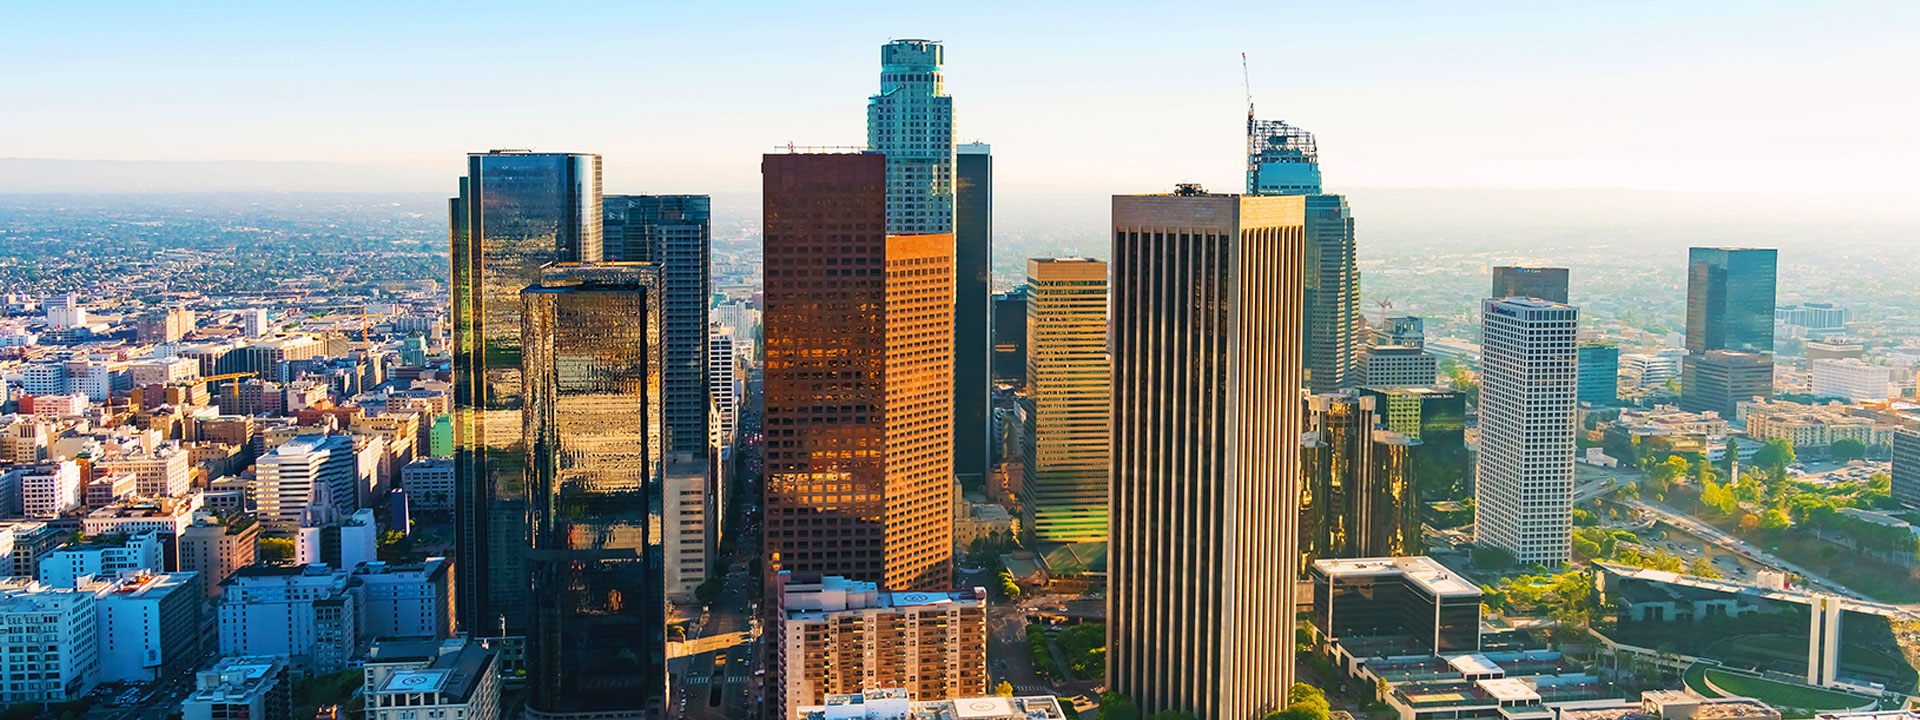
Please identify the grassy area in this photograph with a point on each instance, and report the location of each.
(1783, 695)
(1696, 679)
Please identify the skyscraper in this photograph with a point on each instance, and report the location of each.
(1524, 490)
(1359, 482)
(1906, 467)
(1719, 380)
(972, 314)
(1010, 337)
(596, 642)
(1206, 371)
(674, 232)
(1285, 160)
(1069, 396)
(1730, 294)
(1599, 372)
(1546, 283)
(911, 121)
(858, 382)
(516, 211)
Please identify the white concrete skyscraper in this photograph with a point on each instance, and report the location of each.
(911, 121)
(1529, 380)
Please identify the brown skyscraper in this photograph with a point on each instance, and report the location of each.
(1206, 457)
(858, 384)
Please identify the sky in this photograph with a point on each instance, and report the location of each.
(1075, 97)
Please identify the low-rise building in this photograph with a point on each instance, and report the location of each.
(49, 643)
(105, 557)
(242, 687)
(50, 490)
(214, 549)
(461, 682)
(308, 614)
(406, 600)
(1813, 427)
(690, 519)
(1414, 597)
(149, 625)
(1398, 366)
(836, 635)
(167, 517)
(1851, 379)
(429, 483)
(161, 473)
(898, 704)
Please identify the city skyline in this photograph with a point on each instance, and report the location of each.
(1545, 100)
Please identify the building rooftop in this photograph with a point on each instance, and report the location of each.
(1423, 571)
(234, 678)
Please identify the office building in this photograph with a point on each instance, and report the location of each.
(1010, 337)
(164, 325)
(1063, 493)
(166, 518)
(1402, 330)
(674, 232)
(692, 519)
(910, 121)
(1835, 349)
(972, 313)
(516, 212)
(723, 384)
(1414, 597)
(1719, 380)
(49, 490)
(842, 385)
(335, 539)
(461, 682)
(1285, 160)
(1851, 380)
(308, 614)
(105, 557)
(149, 626)
(1360, 490)
(1397, 366)
(254, 687)
(30, 541)
(429, 483)
(214, 549)
(254, 322)
(49, 643)
(1207, 305)
(596, 645)
(1813, 316)
(1524, 487)
(163, 473)
(835, 635)
(307, 470)
(163, 371)
(1906, 468)
(1599, 367)
(1545, 283)
(1730, 295)
(64, 311)
(410, 601)
(1643, 371)
(898, 704)
(108, 487)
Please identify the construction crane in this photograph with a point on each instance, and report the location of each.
(234, 376)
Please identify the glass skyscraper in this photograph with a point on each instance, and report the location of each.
(516, 211)
(1599, 373)
(1068, 436)
(1730, 295)
(911, 121)
(1360, 493)
(1546, 283)
(674, 232)
(972, 314)
(1285, 160)
(596, 642)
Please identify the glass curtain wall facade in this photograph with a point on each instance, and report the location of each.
(516, 212)
(1206, 371)
(1285, 160)
(596, 645)
(674, 232)
(1546, 283)
(911, 121)
(972, 315)
(1069, 391)
(1359, 491)
(1730, 296)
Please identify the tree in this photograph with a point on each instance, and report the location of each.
(1306, 702)
(1774, 519)
(1749, 522)
(1114, 706)
(275, 550)
(1004, 689)
(1847, 450)
(708, 591)
(1733, 452)
(1777, 454)
(1702, 567)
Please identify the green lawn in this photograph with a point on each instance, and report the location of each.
(1696, 679)
(1782, 694)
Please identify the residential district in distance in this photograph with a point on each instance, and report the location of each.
(604, 468)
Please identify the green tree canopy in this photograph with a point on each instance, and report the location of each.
(1847, 450)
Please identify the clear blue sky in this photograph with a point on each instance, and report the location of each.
(1094, 97)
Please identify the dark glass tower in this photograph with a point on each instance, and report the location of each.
(674, 232)
(516, 212)
(1360, 492)
(596, 643)
(1285, 160)
(1010, 337)
(1730, 299)
(972, 312)
(1546, 283)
